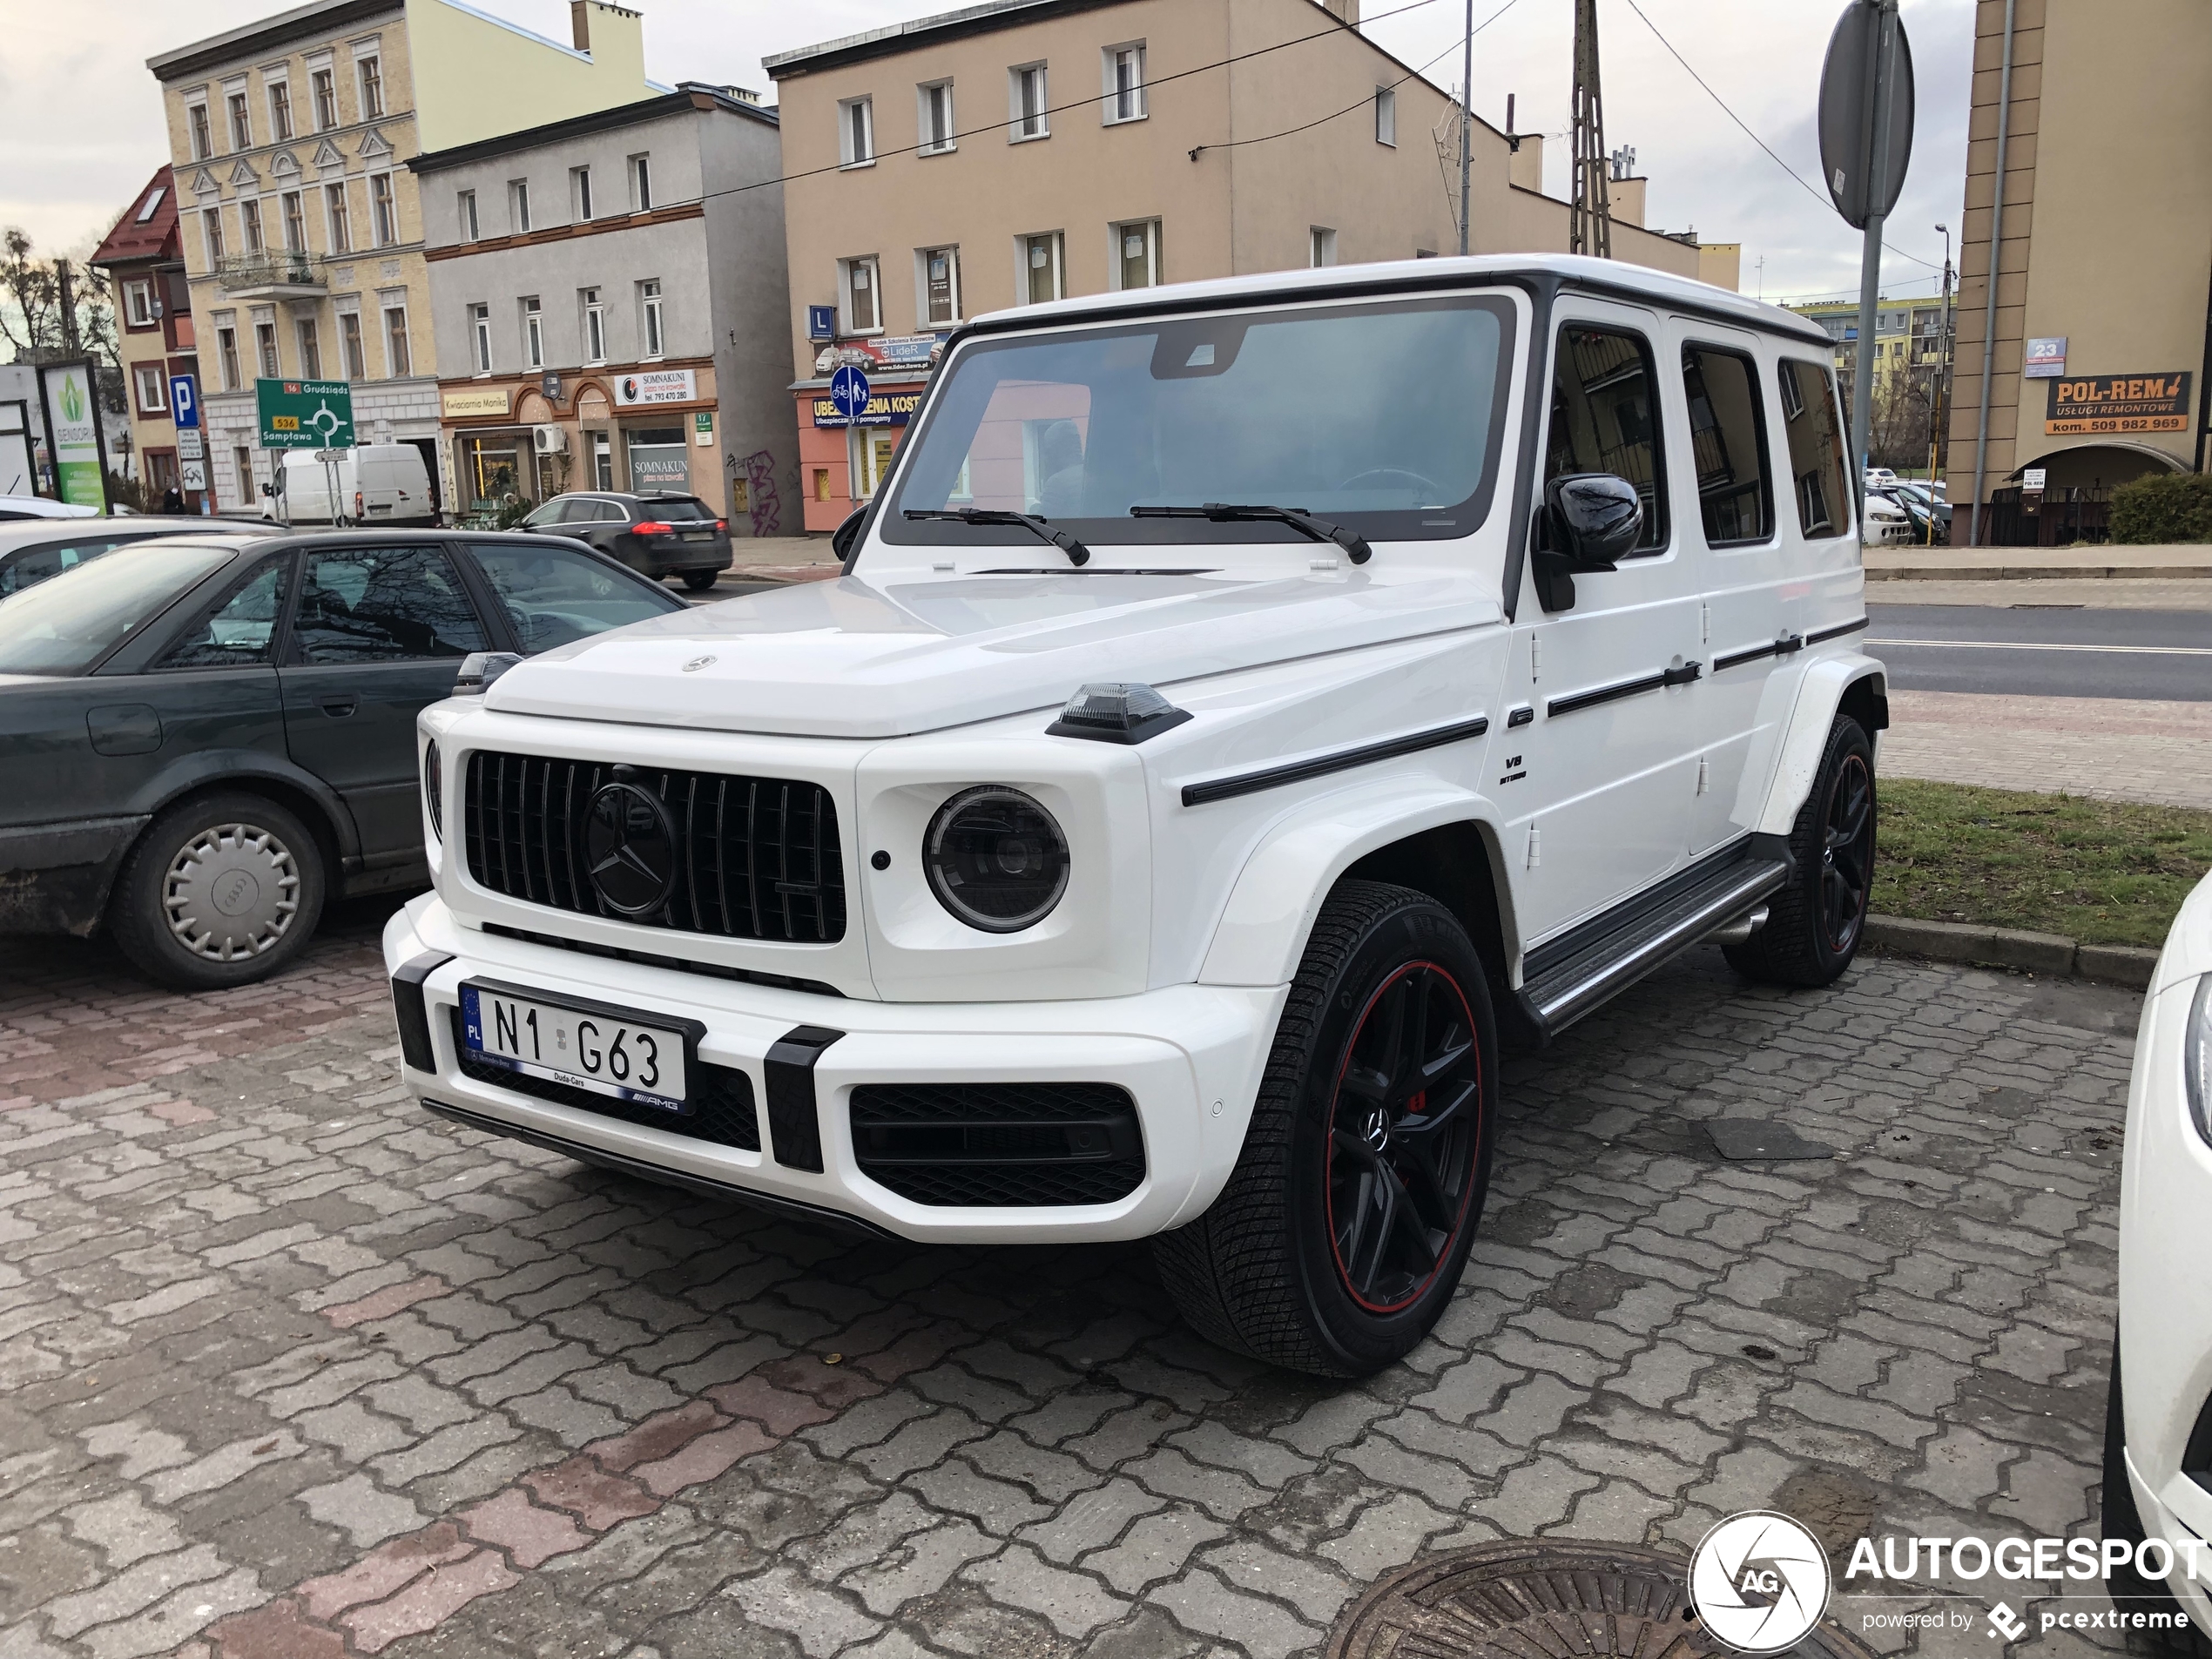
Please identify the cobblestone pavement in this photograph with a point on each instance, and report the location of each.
(2106, 748)
(290, 1370)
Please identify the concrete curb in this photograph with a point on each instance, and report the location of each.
(1951, 942)
(2039, 573)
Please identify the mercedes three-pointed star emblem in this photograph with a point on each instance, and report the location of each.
(629, 850)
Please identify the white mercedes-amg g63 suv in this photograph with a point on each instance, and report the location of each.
(1244, 706)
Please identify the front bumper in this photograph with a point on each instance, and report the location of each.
(1190, 1057)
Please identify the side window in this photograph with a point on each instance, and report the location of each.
(554, 512)
(1816, 449)
(34, 565)
(1605, 417)
(555, 595)
(382, 604)
(241, 629)
(1728, 446)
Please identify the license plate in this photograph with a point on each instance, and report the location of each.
(604, 1050)
(698, 535)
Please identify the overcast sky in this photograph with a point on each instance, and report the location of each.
(80, 117)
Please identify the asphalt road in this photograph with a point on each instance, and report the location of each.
(2045, 651)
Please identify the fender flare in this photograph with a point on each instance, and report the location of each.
(1820, 692)
(1278, 894)
(244, 768)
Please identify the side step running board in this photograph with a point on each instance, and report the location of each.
(1563, 992)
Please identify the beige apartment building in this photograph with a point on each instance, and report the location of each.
(1020, 151)
(301, 232)
(2101, 347)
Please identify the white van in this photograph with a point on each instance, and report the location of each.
(378, 483)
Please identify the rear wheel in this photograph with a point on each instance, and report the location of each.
(700, 581)
(221, 890)
(1815, 922)
(1340, 1235)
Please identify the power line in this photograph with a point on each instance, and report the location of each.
(1753, 137)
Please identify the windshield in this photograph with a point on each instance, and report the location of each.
(66, 625)
(1383, 417)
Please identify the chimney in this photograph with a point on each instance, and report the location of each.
(1346, 11)
(580, 24)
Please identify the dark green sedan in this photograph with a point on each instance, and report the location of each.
(206, 738)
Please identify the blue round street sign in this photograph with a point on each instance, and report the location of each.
(849, 391)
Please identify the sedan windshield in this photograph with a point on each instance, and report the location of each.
(66, 625)
(1382, 417)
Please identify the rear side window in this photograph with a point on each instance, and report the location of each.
(381, 604)
(554, 595)
(1728, 446)
(1816, 449)
(241, 628)
(1605, 418)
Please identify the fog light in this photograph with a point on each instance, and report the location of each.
(996, 859)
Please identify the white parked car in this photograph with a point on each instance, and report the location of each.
(42, 507)
(1246, 706)
(1887, 524)
(2158, 1422)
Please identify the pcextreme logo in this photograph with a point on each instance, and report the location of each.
(1760, 1581)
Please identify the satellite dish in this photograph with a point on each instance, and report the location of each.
(1847, 115)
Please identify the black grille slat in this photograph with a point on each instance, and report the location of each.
(999, 1145)
(722, 1105)
(524, 817)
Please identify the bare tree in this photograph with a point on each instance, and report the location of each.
(31, 323)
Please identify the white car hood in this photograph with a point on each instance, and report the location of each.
(911, 652)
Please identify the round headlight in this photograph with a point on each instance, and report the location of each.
(996, 860)
(434, 789)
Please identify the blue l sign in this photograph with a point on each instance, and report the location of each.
(184, 400)
(849, 391)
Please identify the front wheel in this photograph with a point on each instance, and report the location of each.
(1340, 1235)
(1815, 923)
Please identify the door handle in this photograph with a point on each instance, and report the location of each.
(339, 707)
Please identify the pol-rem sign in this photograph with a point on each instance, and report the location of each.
(2093, 404)
(305, 415)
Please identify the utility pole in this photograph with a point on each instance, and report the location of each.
(1466, 127)
(62, 283)
(1881, 72)
(1761, 267)
(1590, 225)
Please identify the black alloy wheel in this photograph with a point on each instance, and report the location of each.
(1816, 920)
(1847, 853)
(1408, 1105)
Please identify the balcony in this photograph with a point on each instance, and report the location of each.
(277, 275)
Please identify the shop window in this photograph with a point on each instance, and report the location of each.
(659, 459)
(870, 452)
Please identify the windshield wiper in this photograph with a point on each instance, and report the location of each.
(1353, 543)
(1076, 552)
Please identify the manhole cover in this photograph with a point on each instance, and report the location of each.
(1522, 1601)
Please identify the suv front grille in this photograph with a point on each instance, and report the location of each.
(722, 1107)
(756, 857)
(1001, 1145)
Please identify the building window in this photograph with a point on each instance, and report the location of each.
(595, 326)
(264, 349)
(341, 225)
(372, 74)
(641, 183)
(1137, 255)
(466, 204)
(518, 205)
(869, 456)
(936, 117)
(649, 316)
(138, 304)
(940, 286)
(349, 345)
(279, 111)
(1386, 116)
(241, 123)
(154, 388)
(310, 350)
(249, 222)
(480, 336)
(295, 222)
(1028, 106)
(856, 132)
(1044, 267)
(533, 333)
(1322, 250)
(1125, 83)
(398, 359)
(863, 297)
(325, 91)
(242, 460)
(203, 144)
(821, 484)
(383, 215)
(210, 231)
(580, 192)
(226, 351)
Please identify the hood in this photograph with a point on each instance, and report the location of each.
(850, 658)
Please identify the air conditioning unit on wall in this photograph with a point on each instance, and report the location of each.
(549, 440)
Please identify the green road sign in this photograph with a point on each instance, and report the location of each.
(305, 414)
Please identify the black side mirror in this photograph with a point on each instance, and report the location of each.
(847, 536)
(1595, 518)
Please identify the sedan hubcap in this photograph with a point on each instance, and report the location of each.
(1403, 1132)
(231, 893)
